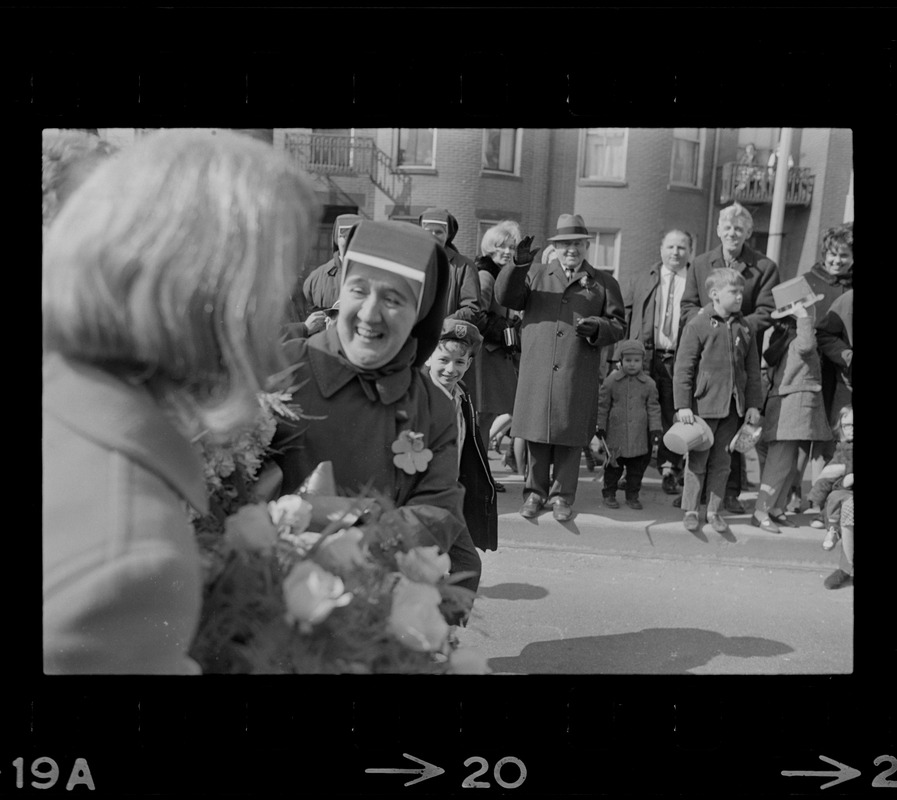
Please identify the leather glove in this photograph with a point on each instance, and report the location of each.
(525, 252)
(586, 327)
(656, 436)
(601, 433)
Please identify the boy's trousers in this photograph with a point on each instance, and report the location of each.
(711, 465)
(635, 467)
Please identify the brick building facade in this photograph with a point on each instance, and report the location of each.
(629, 184)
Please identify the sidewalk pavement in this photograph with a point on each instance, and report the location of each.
(657, 530)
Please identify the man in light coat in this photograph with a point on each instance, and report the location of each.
(570, 312)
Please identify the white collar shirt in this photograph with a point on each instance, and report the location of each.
(677, 279)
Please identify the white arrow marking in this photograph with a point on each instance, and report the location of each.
(429, 770)
(844, 773)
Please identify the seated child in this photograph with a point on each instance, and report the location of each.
(629, 422)
(457, 345)
(835, 482)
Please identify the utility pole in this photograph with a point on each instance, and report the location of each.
(777, 215)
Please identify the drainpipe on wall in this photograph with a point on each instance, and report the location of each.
(712, 202)
(780, 188)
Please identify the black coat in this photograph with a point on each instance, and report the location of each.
(480, 505)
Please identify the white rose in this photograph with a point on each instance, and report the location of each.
(424, 564)
(250, 529)
(291, 510)
(415, 618)
(467, 661)
(311, 593)
(342, 550)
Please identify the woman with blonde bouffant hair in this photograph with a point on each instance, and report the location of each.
(163, 296)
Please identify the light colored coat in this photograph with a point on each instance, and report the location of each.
(122, 584)
(628, 408)
(794, 409)
(557, 389)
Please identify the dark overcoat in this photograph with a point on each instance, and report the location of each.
(355, 433)
(480, 498)
(557, 389)
(628, 408)
(760, 275)
(717, 360)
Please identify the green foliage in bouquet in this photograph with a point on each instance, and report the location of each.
(367, 592)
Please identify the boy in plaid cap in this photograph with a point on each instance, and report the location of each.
(458, 343)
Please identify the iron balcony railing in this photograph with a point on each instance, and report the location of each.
(334, 155)
(754, 184)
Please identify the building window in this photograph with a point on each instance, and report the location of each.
(416, 147)
(501, 149)
(687, 158)
(604, 154)
(604, 252)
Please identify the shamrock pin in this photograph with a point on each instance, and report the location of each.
(411, 455)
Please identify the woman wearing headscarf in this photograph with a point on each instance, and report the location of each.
(164, 278)
(362, 390)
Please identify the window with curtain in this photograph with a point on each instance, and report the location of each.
(500, 149)
(604, 251)
(415, 147)
(604, 156)
(686, 161)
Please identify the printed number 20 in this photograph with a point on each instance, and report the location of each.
(470, 783)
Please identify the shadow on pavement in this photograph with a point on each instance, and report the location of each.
(653, 651)
(513, 591)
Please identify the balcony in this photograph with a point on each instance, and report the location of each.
(349, 156)
(753, 185)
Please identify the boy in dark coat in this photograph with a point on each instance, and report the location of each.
(717, 377)
(458, 344)
(629, 422)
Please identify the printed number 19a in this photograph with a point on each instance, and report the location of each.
(46, 770)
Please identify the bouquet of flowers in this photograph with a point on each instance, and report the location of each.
(316, 583)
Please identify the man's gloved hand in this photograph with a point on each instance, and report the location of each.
(586, 326)
(525, 252)
(656, 436)
(601, 433)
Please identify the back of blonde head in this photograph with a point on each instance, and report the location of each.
(172, 264)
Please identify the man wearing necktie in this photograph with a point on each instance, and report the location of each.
(571, 311)
(652, 318)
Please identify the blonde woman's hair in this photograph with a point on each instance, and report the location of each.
(172, 264)
(505, 232)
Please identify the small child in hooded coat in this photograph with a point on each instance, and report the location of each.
(629, 422)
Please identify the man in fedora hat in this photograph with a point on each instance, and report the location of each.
(571, 311)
